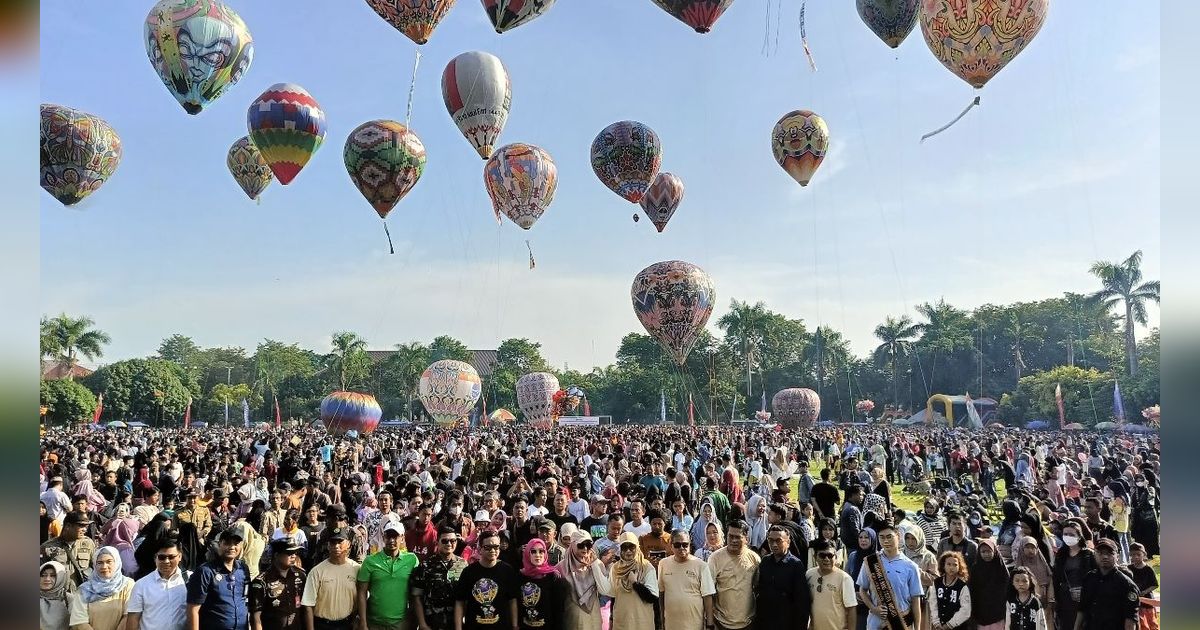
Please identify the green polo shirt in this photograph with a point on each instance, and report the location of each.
(387, 579)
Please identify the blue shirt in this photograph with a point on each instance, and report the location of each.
(905, 578)
(221, 595)
(326, 453)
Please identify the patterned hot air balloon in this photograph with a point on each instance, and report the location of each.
(385, 159)
(288, 126)
(662, 198)
(673, 300)
(78, 153)
(535, 396)
(509, 14)
(521, 180)
(799, 141)
(478, 94)
(199, 48)
(248, 167)
(626, 156)
(698, 14)
(449, 389)
(415, 18)
(342, 412)
(976, 38)
(891, 20)
(796, 407)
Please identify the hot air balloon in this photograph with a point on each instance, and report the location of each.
(673, 300)
(662, 198)
(509, 14)
(891, 20)
(521, 180)
(248, 167)
(478, 94)
(698, 14)
(288, 126)
(384, 159)
(502, 415)
(199, 48)
(415, 18)
(78, 153)
(626, 156)
(342, 412)
(799, 141)
(796, 407)
(449, 389)
(535, 396)
(976, 38)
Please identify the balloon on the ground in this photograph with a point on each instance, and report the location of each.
(288, 126)
(626, 156)
(535, 396)
(975, 39)
(509, 14)
(662, 198)
(78, 152)
(248, 167)
(415, 18)
(199, 48)
(796, 407)
(384, 159)
(799, 142)
(342, 412)
(502, 415)
(698, 14)
(521, 180)
(478, 95)
(891, 20)
(673, 300)
(449, 390)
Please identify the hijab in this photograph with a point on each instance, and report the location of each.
(989, 585)
(1033, 520)
(527, 568)
(579, 575)
(629, 572)
(97, 588)
(700, 526)
(54, 611)
(758, 524)
(120, 536)
(1037, 566)
(855, 561)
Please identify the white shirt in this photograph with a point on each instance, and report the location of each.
(579, 509)
(161, 602)
(57, 503)
(639, 530)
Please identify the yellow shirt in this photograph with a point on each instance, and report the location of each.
(830, 604)
(330, 589)
(734, 577)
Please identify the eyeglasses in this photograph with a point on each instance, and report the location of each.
(680, 545)
(162, 557)
(490, 547)
(448, 541)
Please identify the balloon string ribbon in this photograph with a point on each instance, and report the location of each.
(532, 263)
(804, 39)
(391, 250)
(412, 87)
(950, 124)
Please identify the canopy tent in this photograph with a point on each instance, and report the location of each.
(1038, 425)
(956, 406)
(1138, 428)
(1106, 426)
(116, 424)
(502, 415)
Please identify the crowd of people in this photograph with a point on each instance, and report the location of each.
(621, 528)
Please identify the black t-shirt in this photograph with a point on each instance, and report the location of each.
(540, 602)
(1108, 600)
(485, 593)
(597, 527)
(825, 496)
(1143, 577)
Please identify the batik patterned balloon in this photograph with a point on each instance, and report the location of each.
(975, 39)
(698, 14)
(248, 167)
(78, 153)
(673, 300)
(509, 14)
(199, 48)
(796, 407)
(626, 156)
(449, 390)
(799, 142)
(288, 126)
(521, 180)
(478, 94)
(535, 396)
(342, 412)
(385, 159)
(891, 20)
(662, 198)
(415, 18)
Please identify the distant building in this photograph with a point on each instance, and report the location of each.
(484, 361)
(58, 370)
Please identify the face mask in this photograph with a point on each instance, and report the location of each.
(1070, 541)
(975, 521)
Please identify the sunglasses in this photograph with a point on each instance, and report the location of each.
(680, 545)
(162, 557)
(448, 541)
(490, 547)
(825, 554)
(820, 584)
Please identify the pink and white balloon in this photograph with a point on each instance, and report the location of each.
(535, 397)
(796, 407)
(449, 390)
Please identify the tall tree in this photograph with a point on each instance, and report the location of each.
(897, 335)
(829, 353)
(64, 338)
(947, 339)
(348, 361)
(447, 347)
(275, 361)
(1021, 333)
(1122, 286)
(402, 371)
(745, 326)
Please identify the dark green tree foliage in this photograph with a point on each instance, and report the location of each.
(67, 402)
(149, 390)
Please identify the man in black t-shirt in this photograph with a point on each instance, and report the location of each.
(596, 523)
(1110, 598)
(485, 595)
(825, 496)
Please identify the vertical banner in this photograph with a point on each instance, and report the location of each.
(245, 413)
(226, 413)
(187, 414)
(278, 415)
(1058, 400)
(662, 416)
(691, 411)
(587, 407)
(99, 409)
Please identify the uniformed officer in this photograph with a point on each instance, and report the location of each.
(1110, 597)
(275, 593)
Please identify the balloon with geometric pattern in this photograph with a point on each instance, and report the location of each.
(662, 198)
(521, 179)
(535, 396)
(509, 14)
(78, 152)
(415, 18)
(384, 159)
(478, 94)
(698, 14)
(975, 39)
(796, 407)
(449, 390)
(890, 20)
(342, 412)
(626, 156)
(248, 167)
(199, 48)
(288, 126)
(673, 300)
(799, 142)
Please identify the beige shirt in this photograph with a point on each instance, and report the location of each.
(734, 578)
(683, 586)
(330, 589)
(830, 604)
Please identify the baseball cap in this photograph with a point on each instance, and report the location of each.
(394, 526)
(1106, 543)
(230, 534)
(77, 518)
(599, 498)
(287, 544)
(543, 523)
(339, 533)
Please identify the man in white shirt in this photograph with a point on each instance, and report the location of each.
(637, 526)
(579, 507)
(159, 600)
(57, 502)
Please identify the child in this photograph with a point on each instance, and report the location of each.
(1147, 583)
(948, 596)
(1025, 610)
(1119, 507)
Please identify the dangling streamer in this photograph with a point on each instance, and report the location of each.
(951, 123)
(412, 88)
(778, 21)
(804, 38)
(391, 250)
(258, 200)
(766, 32)
(532, 264)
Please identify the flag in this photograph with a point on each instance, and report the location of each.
(245, 413)
(663, 403)
(226, 413)
(532, 263)
(1118, 406)
(691, 411)
(1062, 415)
(187, 414)
(99, 409)
(587, 407)
(278, 415)
(973, 413)
(764, 399)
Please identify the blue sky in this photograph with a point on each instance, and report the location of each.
(1059, 167)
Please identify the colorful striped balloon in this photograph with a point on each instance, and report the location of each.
(415, 18)
(662, 198)
(509, 14)
(288, 126)
(799, 142)
(478, 95)
(248, 167)
(698, 14)
(78, 153)
(385, 159)
(350, 411)
(626, 156)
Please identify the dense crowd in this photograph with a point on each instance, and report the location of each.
(623, 528)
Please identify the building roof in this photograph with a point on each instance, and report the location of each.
(484, 361)
(58, 370)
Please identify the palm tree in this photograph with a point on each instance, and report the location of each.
(64, 338)
(405, 367)
(946, 331)
(829, 351)
(896, 335)
(745, 327)
(1123, 286)
(1021, 332)
(345, 345)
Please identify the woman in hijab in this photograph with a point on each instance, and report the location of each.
(632, 581)
(868, 543)
(1032, 521)
(121, 537)
(542, 590)
(699, 531)
(1027, 553)
(989, 587)
(914, 549)
(83, 488)
(1010, 530)
(587, 580)
(756, 518)
(714, 539)
(160, 527)
(105, 594)
(56, 602)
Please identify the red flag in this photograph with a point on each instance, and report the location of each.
(1058, 399)
(99, 409)
(187, 414)
(587, 407)
(278, 416)
(691, 412)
